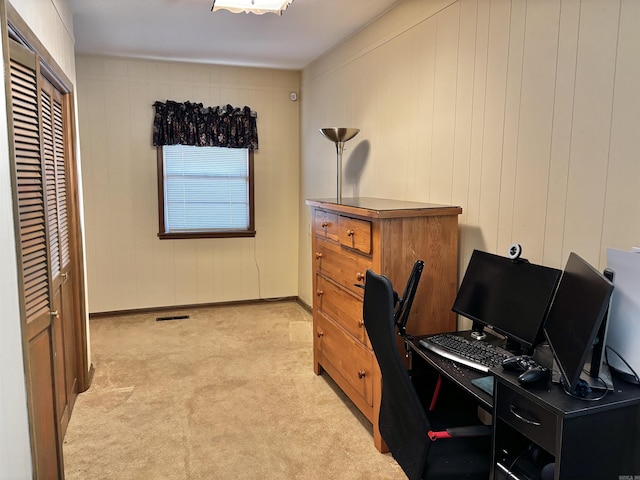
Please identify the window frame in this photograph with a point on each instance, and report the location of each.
(163, 234)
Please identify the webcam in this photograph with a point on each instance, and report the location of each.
(515, 250)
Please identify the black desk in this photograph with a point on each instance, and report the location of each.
(458, 374)
(533, 426)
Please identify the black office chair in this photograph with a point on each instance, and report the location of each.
(409, 431)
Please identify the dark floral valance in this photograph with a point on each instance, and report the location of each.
(192, 124)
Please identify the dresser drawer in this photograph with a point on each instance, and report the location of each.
(343, 266)
(342, 307)
(349, 359)
(354, 233)
(529, 418)
(325, 225)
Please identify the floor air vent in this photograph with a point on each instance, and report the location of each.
(175, 317)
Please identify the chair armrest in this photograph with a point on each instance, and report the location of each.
(470, 431)
(461, 432)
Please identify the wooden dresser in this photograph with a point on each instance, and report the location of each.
(386, 236)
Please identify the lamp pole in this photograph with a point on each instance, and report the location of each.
(339, 136)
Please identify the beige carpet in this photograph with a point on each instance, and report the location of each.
(229, 393)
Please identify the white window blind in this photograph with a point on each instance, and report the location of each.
(205, 188)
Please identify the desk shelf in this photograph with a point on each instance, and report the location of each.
(586, 439)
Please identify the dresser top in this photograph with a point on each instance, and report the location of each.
(383, 207)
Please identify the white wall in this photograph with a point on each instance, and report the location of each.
(128, 266)
(525, 113)
(51, 22)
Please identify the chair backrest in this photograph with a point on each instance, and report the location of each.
(402, 420)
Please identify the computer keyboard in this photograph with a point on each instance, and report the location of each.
(474, 354)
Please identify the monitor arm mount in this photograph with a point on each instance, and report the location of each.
(403, 304)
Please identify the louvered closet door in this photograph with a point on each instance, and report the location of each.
(35, 270)
(54, 151)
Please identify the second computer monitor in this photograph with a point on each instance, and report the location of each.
(510, 296)
(575, 316)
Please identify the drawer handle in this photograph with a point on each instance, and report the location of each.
(350, 233)
(325, 224)
(520, 416)
(361, 323)
(318, 255)
(360, 276)
(320, 334)
(319, 293)
(362, 374)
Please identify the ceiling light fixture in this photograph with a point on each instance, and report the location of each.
(252, 6)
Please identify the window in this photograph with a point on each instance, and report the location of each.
(205, 192)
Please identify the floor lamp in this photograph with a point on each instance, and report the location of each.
(339, 136)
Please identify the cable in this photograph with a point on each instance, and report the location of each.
(563, 382)
(606, 355)
(255, 259)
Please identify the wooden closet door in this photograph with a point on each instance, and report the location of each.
(38, 337)
(55, 155)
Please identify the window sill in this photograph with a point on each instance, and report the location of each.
(205, 234)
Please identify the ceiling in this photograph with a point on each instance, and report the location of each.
(187, 30)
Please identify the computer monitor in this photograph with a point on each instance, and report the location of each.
(511, 296)
(575, 316)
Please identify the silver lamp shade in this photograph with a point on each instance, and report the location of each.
(339, 136)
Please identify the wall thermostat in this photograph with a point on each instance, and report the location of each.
(293, 96)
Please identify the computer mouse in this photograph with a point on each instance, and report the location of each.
(534, 375)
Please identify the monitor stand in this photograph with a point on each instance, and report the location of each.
(604, 381)
(477, 332)
(599, 373)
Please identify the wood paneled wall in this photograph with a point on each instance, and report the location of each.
(52, 22)
(128, 266)
(523, 112)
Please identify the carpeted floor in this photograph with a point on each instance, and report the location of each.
(228, 393)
